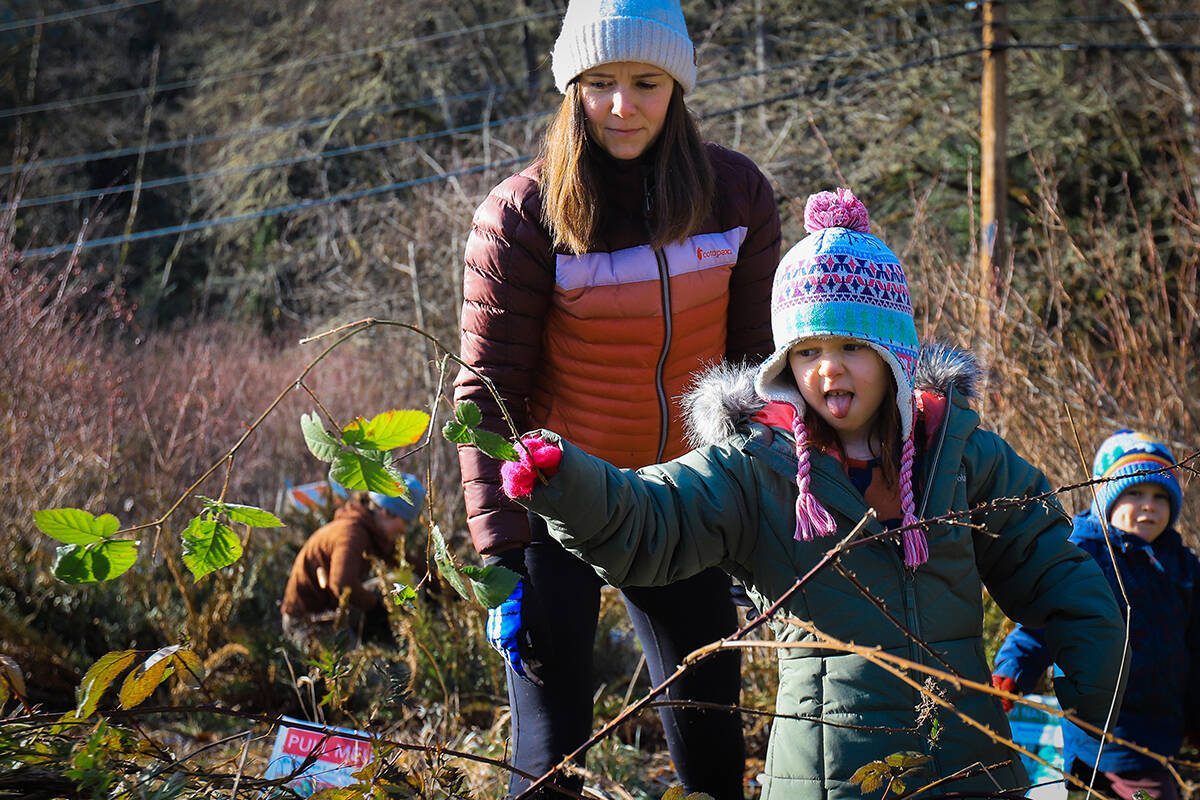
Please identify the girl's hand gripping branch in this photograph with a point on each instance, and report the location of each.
(519, 477)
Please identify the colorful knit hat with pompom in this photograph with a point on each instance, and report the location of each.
(1128, 458)
(842, 281)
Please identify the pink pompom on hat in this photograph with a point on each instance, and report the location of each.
(842, 281)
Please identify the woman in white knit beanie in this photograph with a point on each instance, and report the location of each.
(598, 280)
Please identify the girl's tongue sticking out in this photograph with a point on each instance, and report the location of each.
(838, 403)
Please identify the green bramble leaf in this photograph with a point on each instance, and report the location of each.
(468, 414)
(321, 442)
(253, 516)
(209, 545)
(456, 433)
(897, 786)
(907, 759)
(495, 446)
(74, 525)
(388, 430)
(92, 563)
(491, 584)
(445, 564)
(364, 471)
(142, 682)
(402, 595)
(98, 678)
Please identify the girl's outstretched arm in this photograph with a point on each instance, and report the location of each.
(1042, 580)
(652, 526)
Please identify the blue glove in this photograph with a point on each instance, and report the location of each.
(505, 631)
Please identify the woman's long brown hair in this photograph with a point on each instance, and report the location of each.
(683, 177)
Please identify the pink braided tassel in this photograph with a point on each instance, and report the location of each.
(812, 519)
(916, 547)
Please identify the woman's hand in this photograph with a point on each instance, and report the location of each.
(537, 457)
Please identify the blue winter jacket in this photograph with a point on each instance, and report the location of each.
(1162, 701)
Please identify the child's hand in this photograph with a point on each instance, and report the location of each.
(1005, 684)
(518, 477)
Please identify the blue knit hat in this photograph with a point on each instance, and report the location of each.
(598, 32)
(1123, 459)
(398, 506)
(842, 281)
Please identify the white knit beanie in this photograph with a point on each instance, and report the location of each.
(598, 32)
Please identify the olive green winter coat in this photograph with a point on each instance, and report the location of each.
(732, 503)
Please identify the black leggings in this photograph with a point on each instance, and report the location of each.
(561, 611)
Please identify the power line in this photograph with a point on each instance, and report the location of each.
(307, 204)
(188, 227)
(282, 162)
(310, 122)
(1113, 46)
(32, 22)
(429, 101)
(173, 86)
(316, 121)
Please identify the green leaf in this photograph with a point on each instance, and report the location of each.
(907, 759)
(209, 545)
(74, 525)
(898, 786)
(140, 683)
(92, 563)
(468, 414)
(361, 471)
(676, 792)
(99, 677)
(389, 430)
(321, 442)
(253, 516)
(402, 594)
(492, 584)
(12, 680)
(456, 433)
(495, 446)
(445, 564)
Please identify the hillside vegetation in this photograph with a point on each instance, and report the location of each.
(132, 367)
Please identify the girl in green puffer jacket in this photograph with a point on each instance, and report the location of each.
(840, 420)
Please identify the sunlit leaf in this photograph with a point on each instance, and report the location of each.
(445, 564)
(907, 759)
(253, 516)
(142, 682)
(676, 792)
(321, 442)
(456, 433)
(491, 584)
(390, 430)
(468, 414)
(359, 471)
(74, 525)
(897, 786)
(209, 545)
(12, 680)
(495, 446)
(402, 594)
(188, 668)
(870, 776)
(91, 563)
(99, 677)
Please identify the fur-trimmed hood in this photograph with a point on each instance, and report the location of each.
(722, 398)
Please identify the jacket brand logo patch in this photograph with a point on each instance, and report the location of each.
(702, 254)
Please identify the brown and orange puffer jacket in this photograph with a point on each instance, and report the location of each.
(601, 346)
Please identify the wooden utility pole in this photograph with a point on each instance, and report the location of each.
(993, 183)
